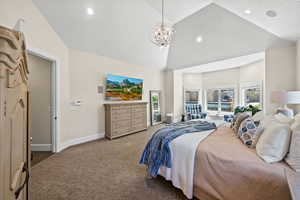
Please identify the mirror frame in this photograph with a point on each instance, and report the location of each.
(151, 111)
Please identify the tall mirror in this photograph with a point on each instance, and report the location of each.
(155, 107)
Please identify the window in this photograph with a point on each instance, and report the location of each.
(227, 100)
(220, 100)
(191, 96)
(251, 96)
(212, 100)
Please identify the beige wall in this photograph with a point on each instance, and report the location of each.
(192, 81)
(169, 91)
(298, 71)
(178, 95)
(40, 98)
(234, 77)
(280, 74)
(174, 93)
(39, 35)
(89, 71)
(79, 74)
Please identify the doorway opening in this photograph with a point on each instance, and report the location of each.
(43, 110)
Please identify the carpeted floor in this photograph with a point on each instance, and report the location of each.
(100, 170)
(39, 156)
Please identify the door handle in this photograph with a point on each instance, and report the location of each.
(19, 190)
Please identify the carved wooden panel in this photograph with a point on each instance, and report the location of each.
(13, 57)
(14, 136)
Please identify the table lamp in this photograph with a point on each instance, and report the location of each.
(285, 98)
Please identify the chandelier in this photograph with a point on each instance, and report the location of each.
(162, 33)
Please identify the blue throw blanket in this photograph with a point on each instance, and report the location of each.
(157, 152)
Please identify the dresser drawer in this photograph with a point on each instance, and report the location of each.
(120, 116)
(120, 132)
(138, 115)
(139, 109)
(121, 123)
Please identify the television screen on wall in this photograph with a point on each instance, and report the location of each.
(121, 88)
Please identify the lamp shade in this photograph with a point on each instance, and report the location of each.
(281, 97)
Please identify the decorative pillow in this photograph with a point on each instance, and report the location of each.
(239, 118)
(250, 131)
(293, 157)
(274, 142)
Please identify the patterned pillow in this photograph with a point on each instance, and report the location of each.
(250, 131)
(238, 119)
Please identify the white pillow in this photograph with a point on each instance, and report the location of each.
(294, 125)
(297, 117)
(293, 157)
(268, 119)
(273, 144)
(283, 118)
(258, 116)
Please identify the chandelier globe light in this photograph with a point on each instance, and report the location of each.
(162, 33)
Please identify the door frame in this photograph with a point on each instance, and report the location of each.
(55, 110)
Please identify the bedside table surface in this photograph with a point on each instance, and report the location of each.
(293, 179)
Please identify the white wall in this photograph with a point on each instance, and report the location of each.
(280, 74)
(89, 71)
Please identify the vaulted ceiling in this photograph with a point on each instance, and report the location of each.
(121, 29)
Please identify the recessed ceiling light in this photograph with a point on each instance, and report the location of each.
(90, 11)
(271, 13)
(248, 12)
(199, 39)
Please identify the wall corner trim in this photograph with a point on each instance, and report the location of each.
(81, 140)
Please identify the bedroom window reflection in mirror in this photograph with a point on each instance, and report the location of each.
(155, 107)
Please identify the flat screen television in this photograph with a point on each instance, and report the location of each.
(122, 88)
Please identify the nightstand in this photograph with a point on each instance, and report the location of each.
(293, 179)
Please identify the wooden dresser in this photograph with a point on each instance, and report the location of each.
(125, 118)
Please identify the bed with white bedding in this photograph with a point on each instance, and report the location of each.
(215, 165)
(183, 151)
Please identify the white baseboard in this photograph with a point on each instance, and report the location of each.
(41, 147)
(80, 141)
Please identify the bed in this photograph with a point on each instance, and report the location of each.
(215, 165)
(227, 169)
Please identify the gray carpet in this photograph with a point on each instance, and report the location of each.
(100, 170)
(38, 156)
